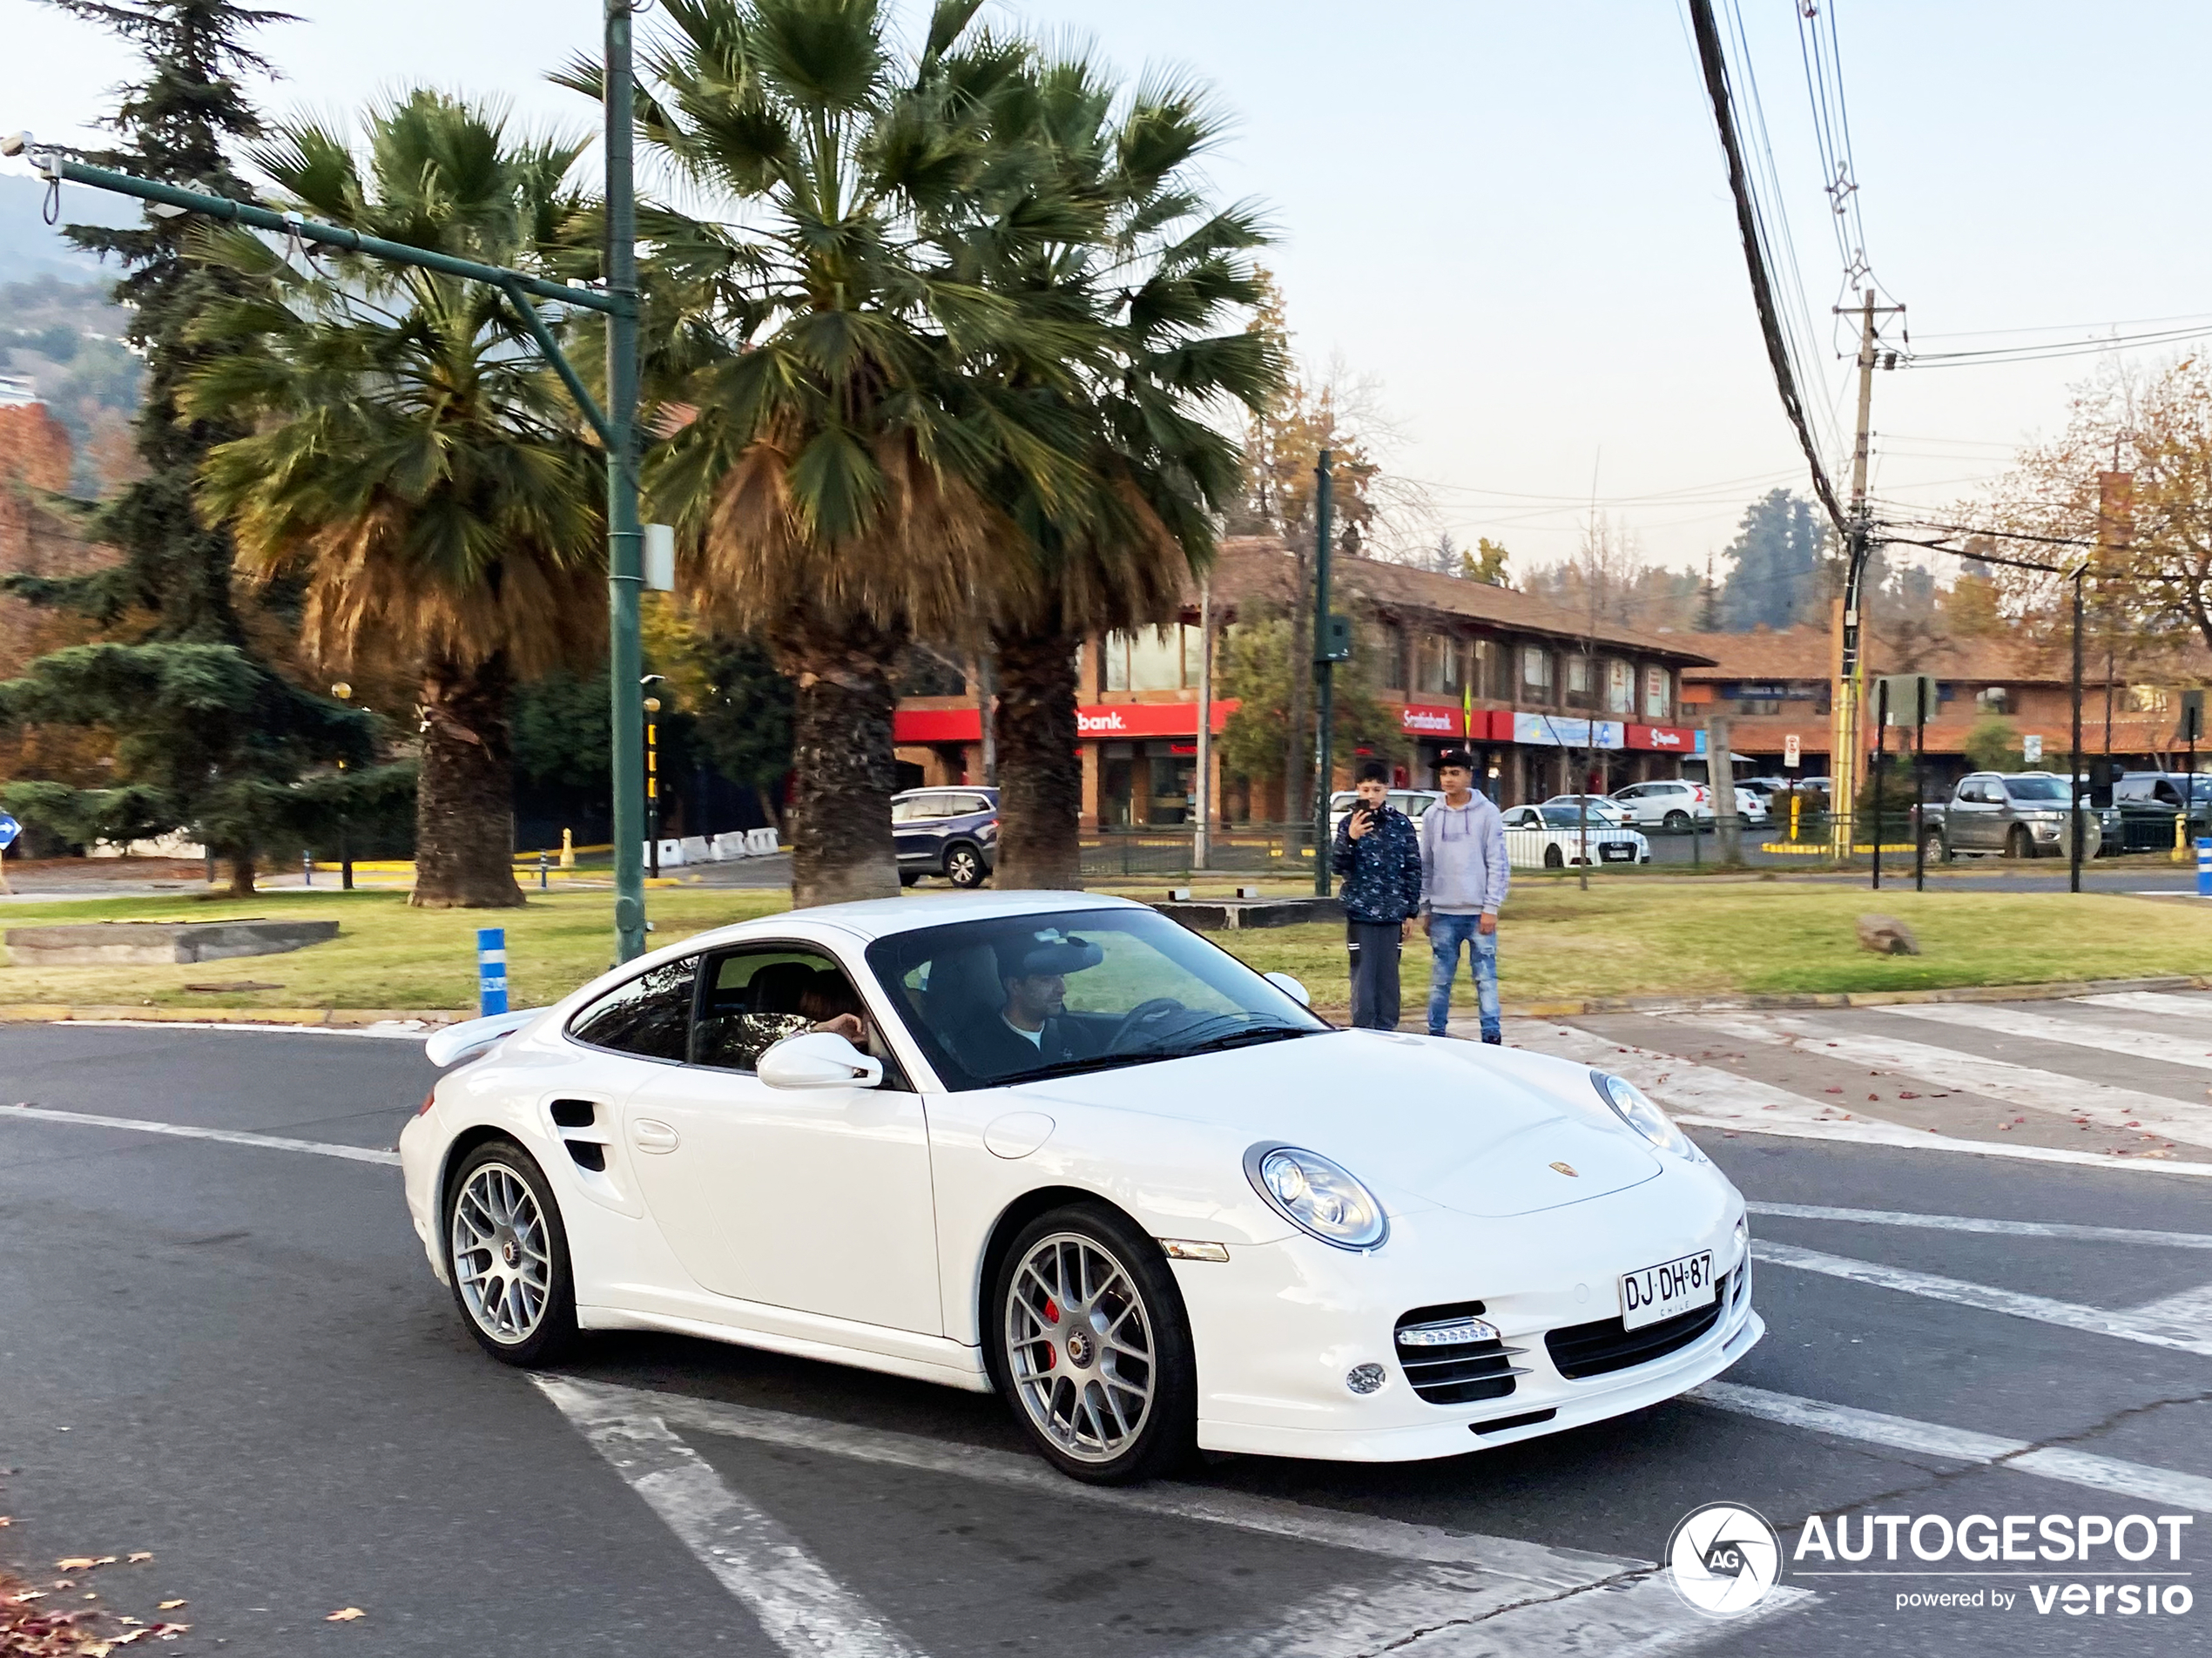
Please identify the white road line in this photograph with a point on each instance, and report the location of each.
(2125, 1327)
(2162, 1486)
(803, 1610)
(2111, 1039)
(385, 1029)
(2054, 1092)
(2187, 1314)
(1976, 1223)
(1471, 1594)
(2152, 1002)
(1704, 1097)
(229, 1137)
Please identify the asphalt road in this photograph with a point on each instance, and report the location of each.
(232, 1356)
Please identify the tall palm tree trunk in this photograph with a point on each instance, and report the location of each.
(465, 798)
(1040, 775)
(841, 761)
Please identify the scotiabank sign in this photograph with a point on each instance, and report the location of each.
(1100, 722)
(1673, 739)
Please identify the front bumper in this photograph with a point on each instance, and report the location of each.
(1278, 1327)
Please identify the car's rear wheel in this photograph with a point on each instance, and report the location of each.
(907, 880)
(507, 1254)
(1676, 821)
(2020, 844)
(1089, 1344)
(964, 866)
(1932, 849)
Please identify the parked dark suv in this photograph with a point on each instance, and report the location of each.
(949, 832)
(2167, 789)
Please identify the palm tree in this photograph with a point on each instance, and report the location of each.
(413, 467)
(847, 398)
(1157, 271)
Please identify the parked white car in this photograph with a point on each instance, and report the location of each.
(1549, 837)
(1751, 805)
(1411, 802)
(1669, 803)
(1188, 1211)
(1604, 808)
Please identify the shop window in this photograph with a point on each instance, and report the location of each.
(1581, 682)
(1146, 785)
(1536, 674)
(1437, 667)
(1655, 694)
(1494, 665)
(1992, 700)
(1394, 656)
(1151, 659)
(1620, 688)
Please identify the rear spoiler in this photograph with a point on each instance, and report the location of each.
(471, 1038)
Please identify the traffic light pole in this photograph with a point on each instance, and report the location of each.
(615, 425)
(1323, 677)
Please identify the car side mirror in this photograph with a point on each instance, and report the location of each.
(1289, 987)
(818, 1059)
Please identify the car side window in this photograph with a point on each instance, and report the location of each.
(751, 999)
(648, 1016)
(965, 804)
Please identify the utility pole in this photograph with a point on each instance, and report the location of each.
(1325, 661)
(1720, 783)
(1844, 761)
(1201, 831)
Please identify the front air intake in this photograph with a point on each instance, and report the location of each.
(1452, 1355)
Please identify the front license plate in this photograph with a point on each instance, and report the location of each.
(1616, 854)
(1662, 1291)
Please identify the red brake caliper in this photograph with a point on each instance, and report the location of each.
(1052, 1316)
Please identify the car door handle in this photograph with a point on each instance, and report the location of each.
(647, 1134)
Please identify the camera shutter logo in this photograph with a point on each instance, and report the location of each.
(1724, 1559)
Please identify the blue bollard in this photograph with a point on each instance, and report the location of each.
(2205, 868)
(491, 971)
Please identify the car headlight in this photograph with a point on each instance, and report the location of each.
(1316, 1196)
(1633, 1108)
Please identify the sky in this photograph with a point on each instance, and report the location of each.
(1513, 224)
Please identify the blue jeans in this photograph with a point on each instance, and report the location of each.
(1445, 934)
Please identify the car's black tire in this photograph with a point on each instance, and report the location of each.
(1554, 859)
(1675, 822)
(1051, 1365)
(964, 866)
(495, 1177)
(1932, 849)
(906, 879)
(2020, 844)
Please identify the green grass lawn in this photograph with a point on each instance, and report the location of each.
(1647, 939)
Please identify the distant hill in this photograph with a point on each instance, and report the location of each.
(29, 247)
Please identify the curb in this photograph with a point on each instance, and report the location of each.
(33, 1013)
(2046, 992)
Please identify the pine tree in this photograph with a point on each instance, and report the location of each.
(210, 739)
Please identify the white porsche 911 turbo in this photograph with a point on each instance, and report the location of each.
(1057, 1146)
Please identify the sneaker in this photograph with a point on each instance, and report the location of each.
(1495, 1038)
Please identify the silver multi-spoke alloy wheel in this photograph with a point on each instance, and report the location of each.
(503, 1260)
(1081, 1350)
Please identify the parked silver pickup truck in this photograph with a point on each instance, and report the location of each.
(2018, 814)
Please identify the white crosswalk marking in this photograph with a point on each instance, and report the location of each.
(2162, 1486)
(2127, 1326)
(1454, 1594)
(1977, 1224)
(1707, 1097)
(2013, 1021)
(2187, 1314)
(1995, 1079)
(2152, 1002)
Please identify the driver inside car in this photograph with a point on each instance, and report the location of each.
(1033, 1028)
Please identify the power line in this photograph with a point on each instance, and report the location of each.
(1715, 66)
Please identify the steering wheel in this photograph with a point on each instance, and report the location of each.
(1157, 1007)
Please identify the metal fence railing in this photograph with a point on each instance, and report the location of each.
(1247, 849)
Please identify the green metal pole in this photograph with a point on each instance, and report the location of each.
(1324, 675)
(625, 551)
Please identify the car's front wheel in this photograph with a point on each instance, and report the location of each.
(507, 1254)
(1089, 1346)
(1932, 848)
(964, 866)
(1676, 822)
(2020, 844)
(1554, 859)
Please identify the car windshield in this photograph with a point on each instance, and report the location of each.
(2035, 788)
(1568, 818)
(1016, 998)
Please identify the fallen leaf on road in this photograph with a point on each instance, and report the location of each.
(171, 1605)
(345, 1614)
(1905, 1095)
(143, 1555)
(75, 1563)
(1832, 1090)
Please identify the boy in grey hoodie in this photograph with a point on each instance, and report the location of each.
(1463, 881)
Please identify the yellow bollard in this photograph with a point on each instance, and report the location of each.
(2180, 837)
(1796, 804)
(567, 849)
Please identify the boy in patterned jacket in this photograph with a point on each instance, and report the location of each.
(1378, 851)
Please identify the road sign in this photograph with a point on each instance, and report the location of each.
(9, 830)
(1912, 698)
(1790, 756)
(2031, 748)
(2192, 716)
